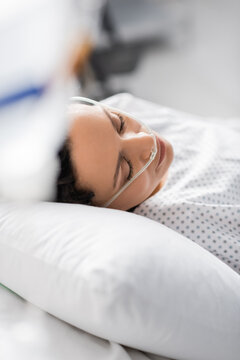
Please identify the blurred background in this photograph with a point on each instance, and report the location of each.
(183, 54)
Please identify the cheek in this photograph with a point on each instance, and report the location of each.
(140, 186)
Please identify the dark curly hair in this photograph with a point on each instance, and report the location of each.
(66, 181)
(66, 191)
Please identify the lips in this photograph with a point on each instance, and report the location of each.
(161, 151)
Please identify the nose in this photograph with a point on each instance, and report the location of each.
(138, 146)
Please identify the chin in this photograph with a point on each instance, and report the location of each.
(157, 188)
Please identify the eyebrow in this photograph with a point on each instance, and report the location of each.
(120, 157)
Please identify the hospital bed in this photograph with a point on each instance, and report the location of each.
(76, 285)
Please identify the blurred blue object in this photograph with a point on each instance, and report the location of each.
(37, 43)
(10, 99)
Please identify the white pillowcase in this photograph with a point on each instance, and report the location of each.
(122, 277)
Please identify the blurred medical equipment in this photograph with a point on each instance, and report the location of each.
(41, 45)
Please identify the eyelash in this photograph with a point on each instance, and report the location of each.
(122, 127)
(130, 169)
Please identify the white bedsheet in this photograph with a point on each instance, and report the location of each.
(27, 332)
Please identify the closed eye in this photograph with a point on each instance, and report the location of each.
(121, 130)
(120, 157)
(122, 123)
(130, 174)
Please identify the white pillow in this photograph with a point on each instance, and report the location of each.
(122, 277)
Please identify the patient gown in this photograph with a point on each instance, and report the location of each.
(201, 196)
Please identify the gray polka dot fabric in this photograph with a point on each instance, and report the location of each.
(201, 198)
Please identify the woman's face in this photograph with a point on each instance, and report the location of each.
(108, 148)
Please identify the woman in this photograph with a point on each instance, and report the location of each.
(196, 188)
(104, 149)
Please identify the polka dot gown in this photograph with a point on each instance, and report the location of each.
(201, 197)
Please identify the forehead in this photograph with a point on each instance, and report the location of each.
(94, 150)
(86, 112)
